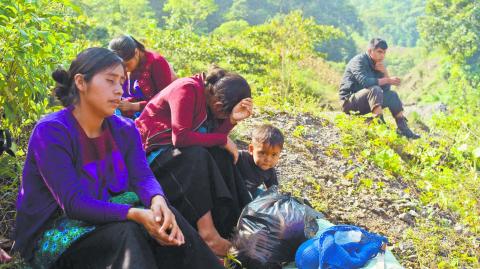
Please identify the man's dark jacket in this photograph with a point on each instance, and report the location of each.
(360, 74)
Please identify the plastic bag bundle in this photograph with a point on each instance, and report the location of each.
(271, 228)
(340, 247)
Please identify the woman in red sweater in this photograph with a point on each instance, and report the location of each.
(184, 130)
(149, 73)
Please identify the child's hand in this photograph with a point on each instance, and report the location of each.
(242, 110)
(232, 148)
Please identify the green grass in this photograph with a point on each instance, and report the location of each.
(442, 168)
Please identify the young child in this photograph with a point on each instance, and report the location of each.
(257, 164)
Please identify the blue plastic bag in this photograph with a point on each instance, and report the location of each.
(340, 247)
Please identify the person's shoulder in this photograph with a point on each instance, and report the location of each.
(188, 83)
(359, 57)
(195, 80)
(156, 59)
(151, 57)
(122, 128)
(118, 122)
(358, 60)
(58, 118)
(245, 158)
(57, 124)
(154, 55)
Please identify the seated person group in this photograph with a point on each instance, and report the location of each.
(165, 189)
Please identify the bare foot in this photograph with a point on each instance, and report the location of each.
(206, 230)
(216, 243)
(4, 257)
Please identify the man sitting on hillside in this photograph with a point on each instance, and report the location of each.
(366, 85)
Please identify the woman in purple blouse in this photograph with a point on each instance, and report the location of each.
(88, 198)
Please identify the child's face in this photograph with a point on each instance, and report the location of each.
(264, 155)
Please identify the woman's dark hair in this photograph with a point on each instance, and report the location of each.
(124, 46)
(230, 88)
(88, 63)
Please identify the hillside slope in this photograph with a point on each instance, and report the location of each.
(345, 188)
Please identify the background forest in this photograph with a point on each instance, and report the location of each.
(293, 53)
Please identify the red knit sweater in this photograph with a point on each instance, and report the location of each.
(153, 75)
(174, 115)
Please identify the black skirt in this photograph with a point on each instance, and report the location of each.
(126, 244)
(197, 180)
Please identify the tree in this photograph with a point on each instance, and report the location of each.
(340, 14)
(287, 40)
(231, 28)
(454, 27)
(395, 21)
(190, 15)
(109, 18)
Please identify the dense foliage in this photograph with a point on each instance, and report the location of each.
(395, 21)
(34, 38)
(453, 29)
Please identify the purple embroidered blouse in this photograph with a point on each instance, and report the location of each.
(61, 174)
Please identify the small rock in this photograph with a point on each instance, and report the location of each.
(380, 211)
(406, 246)
(458, 228)
(413, 213)
(406, 217)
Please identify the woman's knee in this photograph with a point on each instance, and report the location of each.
(181, 221)
(125, 230)
(110, 239)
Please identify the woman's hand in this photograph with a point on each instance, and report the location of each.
(126, 106)
(163, 228)
(165, 217)
(242, 110)
(232, 148)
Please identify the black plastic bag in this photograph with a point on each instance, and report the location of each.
(271, 228)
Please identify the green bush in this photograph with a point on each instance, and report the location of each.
(35, 37)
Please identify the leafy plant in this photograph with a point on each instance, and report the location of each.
(35, 37)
